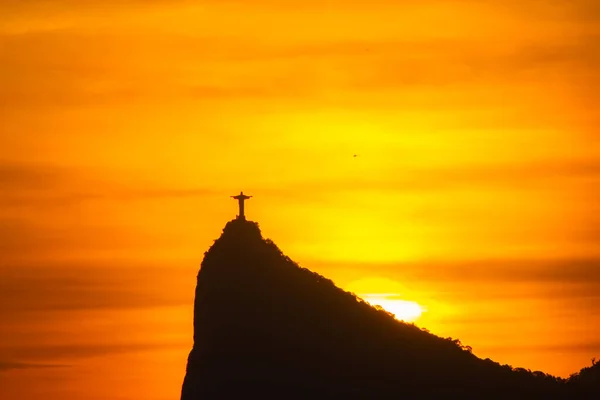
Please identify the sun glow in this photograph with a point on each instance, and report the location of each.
(390, 295)
(403, 310)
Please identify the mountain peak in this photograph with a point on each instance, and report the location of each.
(238, 228)
(265, 327)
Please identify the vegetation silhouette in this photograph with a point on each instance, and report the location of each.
(264, 327)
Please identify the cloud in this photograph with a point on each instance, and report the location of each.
(576, 278)
(48, 185)
(159, 64)
(25, 176)
(590, 348)
(48, 211)
(564, 271)
(93, 286)
(579, 271)
(56, 353)
(499, 175)
(8, 365)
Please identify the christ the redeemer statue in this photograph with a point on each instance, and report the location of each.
(241, 198)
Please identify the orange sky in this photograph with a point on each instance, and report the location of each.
(125, 126)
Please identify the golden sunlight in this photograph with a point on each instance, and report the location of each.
(403, 310)
(388, 294)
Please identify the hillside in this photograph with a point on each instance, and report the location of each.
(267, 328)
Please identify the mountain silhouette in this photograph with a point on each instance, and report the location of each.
(586, 383)
(267, 328)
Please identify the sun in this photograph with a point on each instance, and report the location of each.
(388, 294)
(403, 310)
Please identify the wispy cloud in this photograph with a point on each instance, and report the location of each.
(590, 348)
(89, 286)
(48, 185)
(71, 352)
(218, 65)
(576, 279)
(8, 365)
(528, 175)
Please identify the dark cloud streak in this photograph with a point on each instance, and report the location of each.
(9, 365)
(473, 176)
(92, 286)
(70, 352)
(47, 185)
(126, 74)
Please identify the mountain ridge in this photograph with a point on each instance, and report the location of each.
(264, 325)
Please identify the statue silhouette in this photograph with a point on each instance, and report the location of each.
(241, 198)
